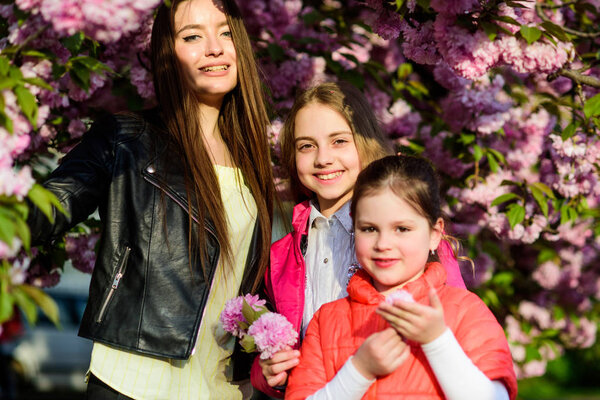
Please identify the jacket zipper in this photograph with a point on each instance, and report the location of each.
(179, 203)
(115, 284)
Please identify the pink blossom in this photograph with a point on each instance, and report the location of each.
(76, 128)
(9, 250)
(81, 251)
(232, 315)
(401, 295)
(272, 332)
(141, 78)
(547, 275)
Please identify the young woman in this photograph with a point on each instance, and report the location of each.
(330, 135)
(185, 195)
(439, 342)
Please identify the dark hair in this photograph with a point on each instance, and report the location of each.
(242, 122)
(346, 99)
(412, 179)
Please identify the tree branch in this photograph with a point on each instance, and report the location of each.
(544, 17)
(576, 77)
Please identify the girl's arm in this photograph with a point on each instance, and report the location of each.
(458, 377)
(348, 384)
(79, 183)
(380, 354)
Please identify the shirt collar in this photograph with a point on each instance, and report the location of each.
(342, 215)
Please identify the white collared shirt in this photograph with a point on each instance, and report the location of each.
(329, 254)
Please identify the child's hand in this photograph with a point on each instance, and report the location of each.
(380, 354)
(414, 321)
(275, 369)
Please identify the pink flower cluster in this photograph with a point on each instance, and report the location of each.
(232, 316)
(81, 251)
(105, 21)
(268, 332)
(401, 295)
(272, 332)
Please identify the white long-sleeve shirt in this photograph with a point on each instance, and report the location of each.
(458, 377)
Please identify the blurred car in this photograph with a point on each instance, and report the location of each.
(50, 358)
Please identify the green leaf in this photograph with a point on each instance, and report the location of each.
(4, 66)
(507, 19)
(504, 198)
(569, 131)
(91, 63)
(493, 163)
(276, 52)
(247, 343)
(491, 30)
(81, 76)
(467, 138)
(34, 53)
(515, 214)
(8, 229)
(532, 353)
(43, 301)
(7, 83)
(564, 215)
(515, 4)
(404, 70)
(6, 300)
(38, 82)
(419, 87)
(5, 121)
(529, 33)
(499, 156)
(539, 197)
(477, 152)
(28, 104)
(555, 30)
(44, 200)
(591, 107)
(544, 188)
(26, 304)
(248, 313)
(503, 278)
(73, 43)
(22, 231)
(424, 4)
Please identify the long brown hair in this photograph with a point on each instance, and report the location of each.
(242, 122)
(346, 99)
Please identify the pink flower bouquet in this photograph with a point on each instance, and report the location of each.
(258, 328)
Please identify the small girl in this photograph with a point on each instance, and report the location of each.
(437, 342)
(330, 135)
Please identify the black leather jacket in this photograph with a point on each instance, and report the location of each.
(145, 295)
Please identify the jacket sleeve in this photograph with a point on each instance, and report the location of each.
(483, 340)
(80, 182)
(309, 375)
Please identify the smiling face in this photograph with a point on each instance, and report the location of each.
(327, 160)
(204, 49)
(392, 239)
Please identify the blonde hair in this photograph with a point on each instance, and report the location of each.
(346, 99)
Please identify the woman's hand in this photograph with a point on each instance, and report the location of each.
(380, 354)
(275, 369)
(414, 321)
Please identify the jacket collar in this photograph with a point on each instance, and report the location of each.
(361, 289)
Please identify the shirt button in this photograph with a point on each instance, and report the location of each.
(325, 260)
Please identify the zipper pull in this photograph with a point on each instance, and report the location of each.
(115, 283)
